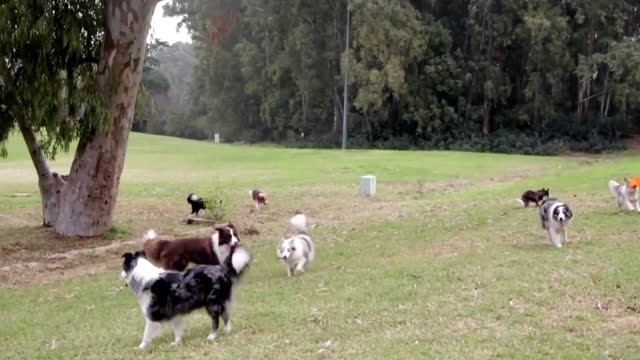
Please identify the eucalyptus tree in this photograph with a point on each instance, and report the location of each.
(69, 71)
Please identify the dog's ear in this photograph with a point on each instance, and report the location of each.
(127, 256)
(231, 226)
(626, 180)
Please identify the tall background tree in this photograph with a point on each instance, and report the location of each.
(69, 70)
(502, 75)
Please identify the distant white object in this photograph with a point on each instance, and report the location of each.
(216, 138)
(368, 185)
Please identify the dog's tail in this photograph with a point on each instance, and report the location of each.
(613, 186)
(237, 261)
(148, 235)
(520, 202)
(299, 223)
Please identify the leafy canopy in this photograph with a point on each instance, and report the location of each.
(49, 52)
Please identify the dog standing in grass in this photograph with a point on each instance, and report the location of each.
(299, 249)
(166, 296)
(556, 217)
(531, 196)
(259, 198)
(626, 194)
(177, 254)
(197, 203)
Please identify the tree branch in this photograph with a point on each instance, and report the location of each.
(35, 151)
(5, 75)
(37, 156)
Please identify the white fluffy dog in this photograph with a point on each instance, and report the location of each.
(299, 249)
(556, 217)
(626, 195)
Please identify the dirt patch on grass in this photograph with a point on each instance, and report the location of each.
(35, 255)
(59, 266)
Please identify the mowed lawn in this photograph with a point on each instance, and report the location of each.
(442, 263)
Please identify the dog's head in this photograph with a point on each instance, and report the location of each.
(226, 235)
(286, 249)
(130, 261)
(562, 213)
(632, 187)
(544, 192)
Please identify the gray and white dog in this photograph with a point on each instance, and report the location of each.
(299, 249)
(555, 217)
(626, 195)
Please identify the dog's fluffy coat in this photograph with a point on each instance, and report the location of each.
(177, 254)
(299, 249)
(168, 295)
(625, 194)
(556, 217)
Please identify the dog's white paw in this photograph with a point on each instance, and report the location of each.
(176, 343)
(212, 336)
(142, 346)
(227, 327)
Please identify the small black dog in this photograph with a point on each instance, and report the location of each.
(197, 203)
(531, 196)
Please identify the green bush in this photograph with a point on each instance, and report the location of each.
(218, 203)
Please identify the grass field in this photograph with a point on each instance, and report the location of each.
(441, 264)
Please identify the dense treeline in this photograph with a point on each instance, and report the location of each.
(532, 76)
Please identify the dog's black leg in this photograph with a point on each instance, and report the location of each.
(227, 320)
(214, 312)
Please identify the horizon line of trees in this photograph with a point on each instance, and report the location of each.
(534, 76)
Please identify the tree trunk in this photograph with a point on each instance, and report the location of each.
(90, 192)
(603, 98)
(50, 183)
(486, 117)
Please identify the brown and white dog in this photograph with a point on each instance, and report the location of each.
(177, 254)
(259, 198)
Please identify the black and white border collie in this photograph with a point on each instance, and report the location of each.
(556, 217)
(197, 203)
(168, 295)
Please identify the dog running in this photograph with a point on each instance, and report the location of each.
(626, 194)
(299, 249)
(556, 217)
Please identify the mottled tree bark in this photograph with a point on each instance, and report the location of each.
(87, 198)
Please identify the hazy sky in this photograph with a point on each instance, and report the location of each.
(164, 28)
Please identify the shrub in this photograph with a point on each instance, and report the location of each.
(218, 203)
